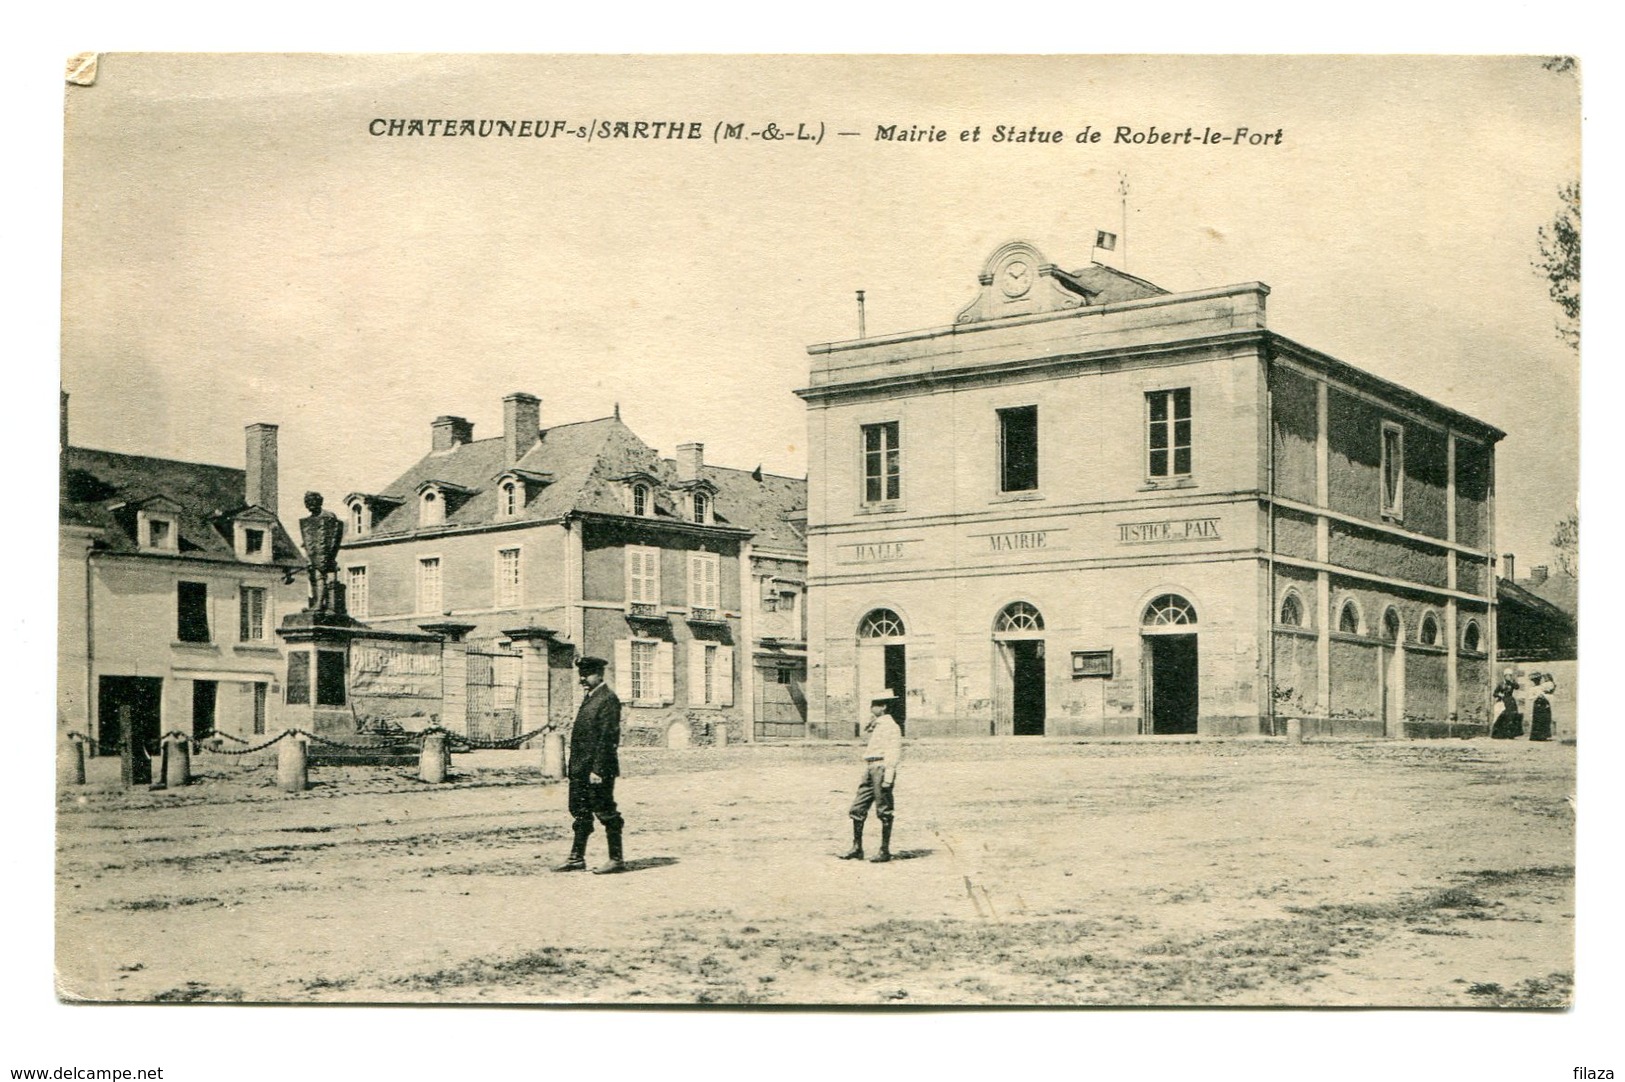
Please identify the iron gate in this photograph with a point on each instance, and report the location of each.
(493, 694)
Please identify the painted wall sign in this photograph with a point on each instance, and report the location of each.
(875, 552)
(1184, 529)
(1021, 540)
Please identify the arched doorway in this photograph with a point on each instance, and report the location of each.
(882, 662)
(1168, 660)
(1391, 672)
(1018, 642)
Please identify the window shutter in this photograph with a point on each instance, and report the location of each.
(693, 580)
(634, 559)
(696, 673)
(725, 676)
(623, 666)
(664, 678)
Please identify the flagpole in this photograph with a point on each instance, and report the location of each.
(1122, 190)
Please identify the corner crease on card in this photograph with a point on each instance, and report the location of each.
(82, 69)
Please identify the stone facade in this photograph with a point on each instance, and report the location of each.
(1091, 507)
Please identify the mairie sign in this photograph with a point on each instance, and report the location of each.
(1179, 529)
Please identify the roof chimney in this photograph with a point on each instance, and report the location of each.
(1538, 574)
(1510, 567)
(521, 424)
(449, 432)
(690, 457)
(260, 482)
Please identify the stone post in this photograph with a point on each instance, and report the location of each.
(70, 761)
(719, 734)
(292, 773)
(553, 755)
(178, 761)
(432, 759)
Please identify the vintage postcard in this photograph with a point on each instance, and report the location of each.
(819, 531)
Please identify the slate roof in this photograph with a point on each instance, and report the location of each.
(586, 460)
(103, 490)
(1112, 285)
(1557, 589)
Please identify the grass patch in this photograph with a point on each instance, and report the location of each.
(194, 992)
(144, 905)
(547, 964)
(1554, 991)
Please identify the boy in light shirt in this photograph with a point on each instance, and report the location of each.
(880, 758)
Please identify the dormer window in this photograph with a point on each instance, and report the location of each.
(702, 507)
(358, 518)
(431, 509)
(251, 536)
(508, 499)
(157, 529)
(637, 491)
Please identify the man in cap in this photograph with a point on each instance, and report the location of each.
(592, 767)
(880, 758)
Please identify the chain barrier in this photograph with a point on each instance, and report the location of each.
(457, 741)
(377, 745)
(507, 744)
(250, 750)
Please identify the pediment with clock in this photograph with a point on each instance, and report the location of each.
(1017, 280)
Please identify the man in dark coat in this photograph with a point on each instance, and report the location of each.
(593, 765)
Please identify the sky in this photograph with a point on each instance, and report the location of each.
(241, 249)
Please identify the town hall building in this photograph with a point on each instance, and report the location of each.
(1090, 506)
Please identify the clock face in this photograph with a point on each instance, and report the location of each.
(1015, 279)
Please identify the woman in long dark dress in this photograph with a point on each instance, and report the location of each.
(1509, 721)
(1540, 710)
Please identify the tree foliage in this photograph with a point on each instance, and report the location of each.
(1559, 262)
(1566, 542)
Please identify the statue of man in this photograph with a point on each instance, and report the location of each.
(322, 532)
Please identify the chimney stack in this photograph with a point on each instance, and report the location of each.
(860, 314)
(260, 481)
(449, 432)
(521, 424)
(1509, 567)
(1538, 574)
(690, 457)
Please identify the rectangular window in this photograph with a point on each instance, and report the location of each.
(192, 611)
(643, 672)
(785, 676)
(259, 708)
(508, 580)
(1168, 433)
(1018, 449)
(708, 674)
(251, 614)
(254, 542)
(355, 596)
(882, 463)
(429, 585)
(159, 533)
(1393, 470)
(643, 576)
(702, 581)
